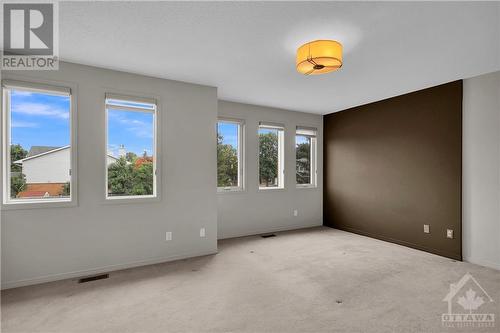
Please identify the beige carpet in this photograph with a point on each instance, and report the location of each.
(312, 280)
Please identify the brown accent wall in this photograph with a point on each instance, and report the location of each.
(394, 165)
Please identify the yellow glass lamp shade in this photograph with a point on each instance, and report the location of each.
(319, 57)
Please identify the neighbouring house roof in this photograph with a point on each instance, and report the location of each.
(141, 160)
(37, 150)
(42, 190)
(54, 189)
(50, 151)
(32, 194)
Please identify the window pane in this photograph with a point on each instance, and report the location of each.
(269, 152)
(130, 157)
(227, 154)
(303, 159)
(40, 150)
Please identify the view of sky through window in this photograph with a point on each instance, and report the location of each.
(229, 133)
(39, 119)
(132, 129)
(267, 131)
(301, 140)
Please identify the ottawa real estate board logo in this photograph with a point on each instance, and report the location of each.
(30, 36)
(469, 305)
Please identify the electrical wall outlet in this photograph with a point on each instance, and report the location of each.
(295, 212)
(449, 233)
(202, 232)
(168, 236)
(427, 229)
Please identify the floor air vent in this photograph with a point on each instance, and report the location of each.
(93, 278)
(268, 235)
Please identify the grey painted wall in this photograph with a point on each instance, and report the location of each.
(252, 211)
(52, 243)
(481, 170)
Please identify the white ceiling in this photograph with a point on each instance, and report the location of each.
(247, 49)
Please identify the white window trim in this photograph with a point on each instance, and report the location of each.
(314, 155)
(241, 156)
(156, 158)
(53, 88)
(281, 155)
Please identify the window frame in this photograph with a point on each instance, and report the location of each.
(241, 155)
(156, 196)
(314, 156)
(38, 86)
(281, 155)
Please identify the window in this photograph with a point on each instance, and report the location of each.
(229, 155)
(305, 156)
(37, 139)
(131, 148)
(271, 156)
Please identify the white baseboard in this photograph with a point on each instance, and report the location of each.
(482, 262)
(99, 270)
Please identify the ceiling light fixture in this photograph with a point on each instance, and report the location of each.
(319, 57)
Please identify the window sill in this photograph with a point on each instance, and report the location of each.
(37, 204)
(272, 189)
(221, 190)
(306, 186)
(131, 200)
